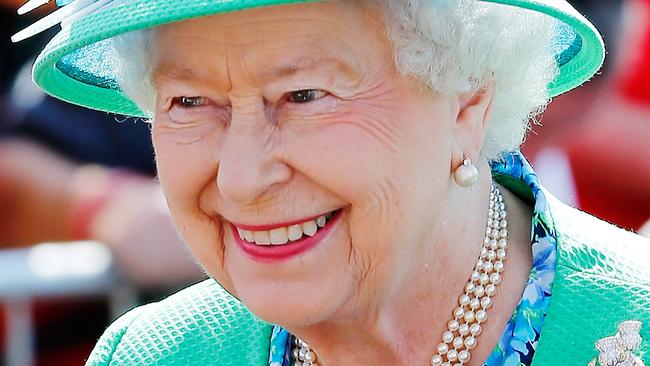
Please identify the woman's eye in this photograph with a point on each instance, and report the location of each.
(190, 102)
(306, 95)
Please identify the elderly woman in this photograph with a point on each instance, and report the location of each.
(346, 173)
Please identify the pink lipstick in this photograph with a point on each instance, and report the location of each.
(275, 253)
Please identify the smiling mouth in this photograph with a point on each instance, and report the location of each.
(288, 234)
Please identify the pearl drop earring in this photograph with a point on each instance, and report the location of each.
(466, 175)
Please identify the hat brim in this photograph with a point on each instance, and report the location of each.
(580, 50)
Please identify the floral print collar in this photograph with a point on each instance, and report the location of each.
(518, 342)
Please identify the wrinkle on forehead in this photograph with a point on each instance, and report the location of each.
(238, 27)
(335, 44)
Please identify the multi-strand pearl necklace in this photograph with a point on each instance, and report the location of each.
(460, 337)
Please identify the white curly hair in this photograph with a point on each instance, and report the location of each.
(451, 46)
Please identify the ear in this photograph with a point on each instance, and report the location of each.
(474, 112)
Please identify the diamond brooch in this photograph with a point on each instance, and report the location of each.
(618, 350)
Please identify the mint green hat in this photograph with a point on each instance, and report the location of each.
(75, 65)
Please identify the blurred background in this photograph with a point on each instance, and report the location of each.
(85, 235)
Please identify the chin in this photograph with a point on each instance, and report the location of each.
(297, 290)
(296, 305)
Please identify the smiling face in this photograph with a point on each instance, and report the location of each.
(291, 125)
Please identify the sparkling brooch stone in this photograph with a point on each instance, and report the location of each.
(618, 350)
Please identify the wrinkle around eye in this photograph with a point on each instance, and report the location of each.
(325, 105)
(190, 116)
(164, 129)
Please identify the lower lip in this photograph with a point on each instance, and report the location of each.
(276, 253)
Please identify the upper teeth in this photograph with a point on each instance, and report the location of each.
(283, 235)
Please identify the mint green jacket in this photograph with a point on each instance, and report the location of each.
(602, 278)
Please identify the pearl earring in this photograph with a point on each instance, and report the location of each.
(466, 175)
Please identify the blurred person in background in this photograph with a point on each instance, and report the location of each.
(67, 174)
(603, 150)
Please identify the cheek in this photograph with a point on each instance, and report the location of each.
(373, 155)
(388, 164)
(185, 170)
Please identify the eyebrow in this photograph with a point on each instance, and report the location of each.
(174, 72)
(284, 70)
(302, 64)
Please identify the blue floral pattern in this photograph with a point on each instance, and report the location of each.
(518, 342)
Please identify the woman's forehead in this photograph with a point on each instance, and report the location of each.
(270, 23)
(273, 42)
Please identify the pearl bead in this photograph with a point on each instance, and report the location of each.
(466, 175)
(495, 278)
(490, 290)
(475, 275)
(494, 234)
(458, 342)
(442, 348)
(475, 329)
(453, 325)
(446, 364)
(469, 316)
(503, 224)
(474, 303)
(464, 356)
(484, 279)
(479, 291)
(452, 355)
(490, 222)
(501, 254)
(502, 215)
(479, 264)
(491, 255)
(469, 288)
(436, 360)
(486, 303)
(310, 356)
(493, 244)
(459, 312)
(470, 342)
(447, 336)
(481, 316)
(464, 300)
(498, 266)
(502, 243)
(302, 353)
(488, 267)
(463, 329)
(503, 233)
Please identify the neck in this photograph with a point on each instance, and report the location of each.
(404, 326)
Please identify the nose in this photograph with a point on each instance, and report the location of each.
(249, 159)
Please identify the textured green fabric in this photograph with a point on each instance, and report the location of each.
(84, 41)
(602, 278)
(201, 325)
